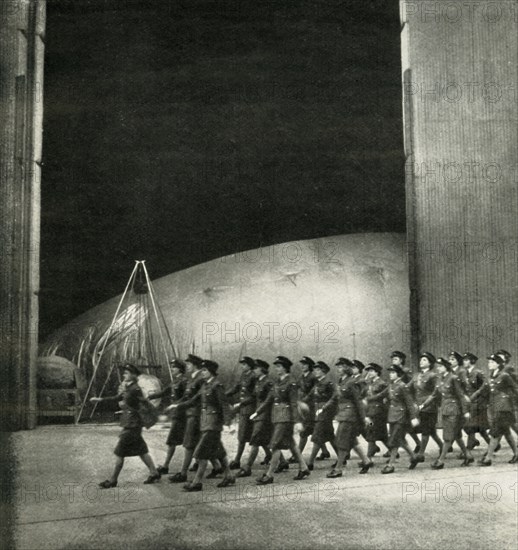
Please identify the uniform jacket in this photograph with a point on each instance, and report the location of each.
(425, 390)
(192, 388)
(283, 401)
(129, 398)
(401, 405)
(245, 389)
(503, 392)
(324, 397)
(477, 387)
(348, 401)
(262, 389)
(453, 401)
(377, 390)
(462, 374)
(362, 384)
(306, 383)
(176, 391)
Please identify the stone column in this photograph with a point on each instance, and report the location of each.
(22, 26)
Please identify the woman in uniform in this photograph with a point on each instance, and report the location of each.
(454, 409)
(478, 393)
(503, 392)
(131, 442)
(283, 404)
(376, 410)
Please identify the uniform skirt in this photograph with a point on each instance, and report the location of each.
(261, 433)
(245, 429)
(397, 434)
(477, 418)
(131, 443)
(346, 436)
(192, 432)
(451, 427)
(282, 437)
(209, 447)
(500, 422)
(176, 432)
(427, 422)
(323, 432)
(378, 430)
(307, 428)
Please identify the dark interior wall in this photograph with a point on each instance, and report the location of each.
(183, 131)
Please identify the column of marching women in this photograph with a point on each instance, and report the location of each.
(386, 408)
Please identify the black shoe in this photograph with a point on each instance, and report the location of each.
(302, 474)
(215, 473)
(323, 456)
(226, 482)
(152, 479)
(450, 450)
(107, 484)
(292, 460)
(244, 472)
(413, 463)
(192, 487)
(498, 447)
(467, 461)
(194, 467)
(461, 456)
(281, 467)
(476, 443)
(387, 469)
(513, 460)
(334, 473)
(162, 470)
(177, 478)
(234, 465)
(420, 458)
(311, 467)
(266, 461)
(386, 454)
(484, 462)
(437, 465)
(265, 480)
(366, 467)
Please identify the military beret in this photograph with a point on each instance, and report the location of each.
(506, 354)
(399, 354)
(342, 361)
(398, 369)
(177, 363)
(131, 368)
(211, 366)
(322, 366)
(358, 364)
(262, 364)
(497, 358)
(375, 367)
(284, 361)
(194, 359)
(457, 356)
(444, 362)
(247, 361)
(307, 361)
(472, 357)
(429, 356)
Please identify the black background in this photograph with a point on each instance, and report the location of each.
(178, 132)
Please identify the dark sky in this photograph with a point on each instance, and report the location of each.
(181, 131)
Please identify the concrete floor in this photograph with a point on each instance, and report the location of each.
(58, 504)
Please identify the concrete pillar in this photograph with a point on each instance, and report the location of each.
(460, 86)
(22, 26)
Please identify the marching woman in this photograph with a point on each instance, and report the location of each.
(283, 403)
(324, 405)
(478, 393)
(503, 392)
(262, 423)
(402, 416)
(246, 406)
(454, 409)
(214, 413)
(350, 416)
(426, 394)
(176, 391)
(131, 442)
(376, 410)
